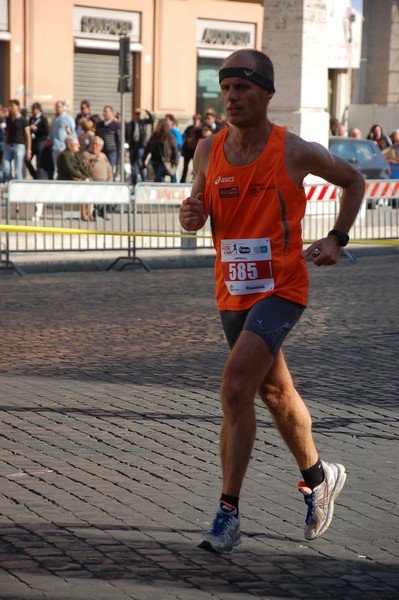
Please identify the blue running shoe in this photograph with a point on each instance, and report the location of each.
(320, 500)
(225, 531)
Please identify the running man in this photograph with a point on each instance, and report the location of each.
(249, 181)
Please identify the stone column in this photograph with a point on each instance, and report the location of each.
(295, 38)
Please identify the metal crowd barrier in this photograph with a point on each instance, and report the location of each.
(156, 207)
(379, 216)
(44, 216)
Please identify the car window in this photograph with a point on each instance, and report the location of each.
(365, 152)
(343, 149)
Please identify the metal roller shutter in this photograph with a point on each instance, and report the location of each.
(96, 77)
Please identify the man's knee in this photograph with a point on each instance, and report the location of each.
(276, 396)
(234, 394)
(230, 392)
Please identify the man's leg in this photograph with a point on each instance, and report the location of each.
(30, 167)
(112, 156)
(247, 366)
(251, 366)
(289, 413)
(142, 168)
(19, 158)
(323, 481)
(7, 159)
(133, 165)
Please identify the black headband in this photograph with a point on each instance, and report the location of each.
(245, 73)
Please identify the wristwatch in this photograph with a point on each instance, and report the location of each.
(342, 237)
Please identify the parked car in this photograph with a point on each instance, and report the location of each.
(392, 156)
(364, 155)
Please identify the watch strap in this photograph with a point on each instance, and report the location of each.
(342, 237)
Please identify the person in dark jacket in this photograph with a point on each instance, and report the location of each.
(137, 138)
(39, 128)
(191, 136)
(162, 146)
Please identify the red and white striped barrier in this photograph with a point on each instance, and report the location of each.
(378, 192)
(321, 191)
(375, 188)
(382, 188)
(321, 199)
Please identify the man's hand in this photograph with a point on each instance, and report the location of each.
(191, 214)
(324, 252)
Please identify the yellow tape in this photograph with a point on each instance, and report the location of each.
(374, 242)
(66, 231)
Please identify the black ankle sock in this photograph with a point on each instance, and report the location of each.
(313, 476)
(231, 500)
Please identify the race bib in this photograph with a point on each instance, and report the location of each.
(247, 266)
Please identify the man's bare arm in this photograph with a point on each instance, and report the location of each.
(193, 214)
(304, 158)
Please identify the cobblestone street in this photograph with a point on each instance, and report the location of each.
(109, 451)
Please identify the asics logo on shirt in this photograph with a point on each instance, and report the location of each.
(223, 180)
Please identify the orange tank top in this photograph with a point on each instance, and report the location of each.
(256, 213)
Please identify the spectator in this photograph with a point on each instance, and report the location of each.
(71, 168)
(108, 129)
(86, 135)
(377, 135)
(221, 121)
(98, 166)
(191, 136)
(39, 128)
(3, 115)
(342, 130)
(85, 113)
(354, 132)
(62, 126)
(46, 165)
(395, 136)
(206, 131)
(18, 141)
(137, 138)
(212, 122)
(172, 125)
(162, 145)
(3, 127)
(334, 126)
(96, 162)
(96, 120)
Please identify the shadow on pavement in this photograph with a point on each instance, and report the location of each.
(130, 553)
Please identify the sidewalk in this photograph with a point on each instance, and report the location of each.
(109, 454)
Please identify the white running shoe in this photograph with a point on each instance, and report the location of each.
(224, 533)
(320, 500)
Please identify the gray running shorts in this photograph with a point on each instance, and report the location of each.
(272, 318)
